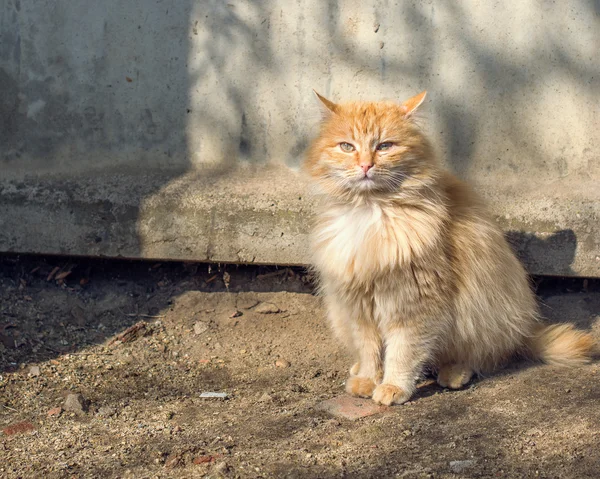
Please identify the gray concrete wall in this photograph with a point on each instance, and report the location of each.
(174, 128)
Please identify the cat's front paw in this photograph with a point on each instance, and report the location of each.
(360, 386)
(388, 394)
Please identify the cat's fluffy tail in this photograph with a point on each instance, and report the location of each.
(561, 345)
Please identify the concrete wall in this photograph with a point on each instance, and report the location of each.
(174, 128)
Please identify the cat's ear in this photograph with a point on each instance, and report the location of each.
(411, 105)
(327, 106)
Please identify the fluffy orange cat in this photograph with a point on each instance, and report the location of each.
(414, 271)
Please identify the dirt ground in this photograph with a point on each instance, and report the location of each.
(257, 335)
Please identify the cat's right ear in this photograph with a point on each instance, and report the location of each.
(411, 105)
(327, 107)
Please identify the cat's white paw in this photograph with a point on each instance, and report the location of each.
(388, 394)
(360, 386)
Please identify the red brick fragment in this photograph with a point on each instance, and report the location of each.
(205, 459)
(350, 407)
(55, 411)
(132, 333)
(18, 428)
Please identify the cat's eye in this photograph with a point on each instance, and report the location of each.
(384, 146)
(347, 147)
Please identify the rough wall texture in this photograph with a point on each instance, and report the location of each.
(175, 128)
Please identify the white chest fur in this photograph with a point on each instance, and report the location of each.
(365, 240)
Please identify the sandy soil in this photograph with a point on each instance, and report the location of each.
(258, 335)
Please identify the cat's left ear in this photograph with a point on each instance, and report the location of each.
(411, 105)
(327, 106)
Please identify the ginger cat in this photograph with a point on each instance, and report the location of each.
(414, 271)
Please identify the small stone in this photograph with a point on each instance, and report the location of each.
(267, 308)
(106, 411)
(172, 461)
(460, 466)
(18, 428)
(406, 432)
(34, 371)
(236, 314)
(200, 328)
(221, 468)
(282, 363)
(75, 403)
(265, 398)
(214, 395)
(55, 412)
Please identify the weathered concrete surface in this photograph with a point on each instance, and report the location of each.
(174, 129)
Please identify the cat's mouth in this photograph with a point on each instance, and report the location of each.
(375, 181)
(366, 182)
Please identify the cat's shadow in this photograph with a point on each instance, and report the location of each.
(552, 255)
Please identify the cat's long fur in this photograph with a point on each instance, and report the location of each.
(413, 268)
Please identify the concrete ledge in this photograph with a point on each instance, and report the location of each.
(256, 215)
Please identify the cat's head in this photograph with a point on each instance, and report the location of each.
(368, 148)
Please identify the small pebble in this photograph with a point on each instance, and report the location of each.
(214, 395)
(265, 398)
(460, 466)
(34, 371)
(200, 328)
(75, 403)
(106, 411)
(282, 363)
(267, 308)
(221, 468)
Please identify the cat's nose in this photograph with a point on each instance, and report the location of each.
(366, 167)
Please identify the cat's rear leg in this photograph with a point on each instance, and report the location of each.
(454, 376)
